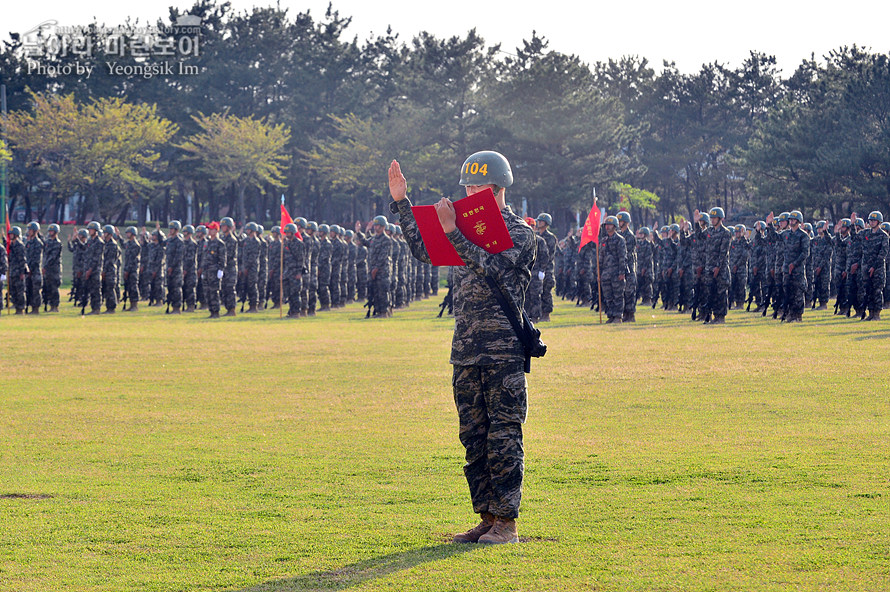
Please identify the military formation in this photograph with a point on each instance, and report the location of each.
(306, 267)
(780, 266)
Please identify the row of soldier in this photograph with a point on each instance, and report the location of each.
(213, 265)
(779, 265)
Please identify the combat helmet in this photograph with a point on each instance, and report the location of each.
(876, 215)
(486, 168)
(545, 218)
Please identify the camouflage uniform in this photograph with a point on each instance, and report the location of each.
(822, 267)
(841, 248)
(645, 270)
(312, 255)
(325, 251)
(156, 271)
(132, 255)
(52, 270)
(739, 253)
(294, 268)
(488, 381)
(585, 270)
(199, 255)
(613, 263)
(93, 265)
(338, 253)
(716, 300)
(875, 247)
(797, 247)
(361, 272)
(380, 267)
(854, 277)
(18, 272)
(536, 284)
(669, 273)
(250, 272)
(275, 264)
(690, 257)
(549, 273)
(213, 260)
(111, 256)
(34, 279)
(262, 271)
(174, 253)
(230, 276)
(144, 271)
(4, 270)
(189, 271)
(76, 248)
(630, 274)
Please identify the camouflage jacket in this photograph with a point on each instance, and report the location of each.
(630, 242)
(111, 255)
(482, 333)
(249, 252)
(380, 255)
(739, 252)
(797, 248)
(231, 253)
(93, 256)
(52, 258)
(214, 258)
(551, 241)
(189, 257)
(275, 257)
(645, 258)
(132, 254)
(174, 253)
(18, 262)
(325, 250)
(874, 250)
(542, 257)
(717, 239)
(613, 256)
(77, 249)
(822, 251)
(155, 263)
(34, 254)
(294, 260)
(841, 244)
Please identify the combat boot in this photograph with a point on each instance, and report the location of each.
(19, 311)
(876, 316)
(822, 307)
(109, 311)
(175, 310)
(95, 311)
(54, 309)
(190, 308)
(718, 321)
(503, 531)
(629, 318)
(252, 309)
(35, 311)
(214, 315)
(545, 318)
(230, 312)
(133, 307)
(472, 535)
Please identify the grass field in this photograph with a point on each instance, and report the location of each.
(175, 453)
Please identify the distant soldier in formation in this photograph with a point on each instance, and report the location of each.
(613, 267)
(76, 246)
(201, 242)
(174, 253)
(294, 268)
(275, 264)
(739, 253)
(156, 269)
(230, 275)
(645, 265)
(18, 270)
(630, 284)
(535, 289)
(380, 266)
(132, 253)
(542, 226)
(213, 268)
(875, 248)
(716, 267)
(189, 267)
(52, 267)
(249, 251)
(361, 266)
(263, 269)
(146, 241)
(110, 265)
(338, 253)
(94, 256)
(325, 251)
(34, 279)
(822, 265)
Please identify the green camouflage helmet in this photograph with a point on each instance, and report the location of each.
(250, 227)
(860, 222)
(108, 229)
(716, 212)
(188, 229)
(175, 225)
(545, 218)
(740, 228)
(820, 224)
(845, 223)
(301, 222)
(398, 229)
(82, 233)
(391, 228)
(290, 228)
(783, 217)
(35, 226)
(201, 229)
(54, 228)
(381, 220)
(94, 226)
(276, 229)
(610, 220)
(335, 228)
(623, 217)
(645, 231)
(704, 216)
(675, 228)
(324, 228)
(876, 215)
(313, 225)
(15, 231)
(808, 227)
(885, 226)
(130, 230)
(666, 229)
(486, 168)
(260, 229)
(350, 234)
(227, 222)
(795, 215)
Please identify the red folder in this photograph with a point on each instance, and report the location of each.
(478, 219)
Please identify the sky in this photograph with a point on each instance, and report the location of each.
(687, 32)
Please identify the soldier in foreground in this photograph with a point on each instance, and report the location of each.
(487, 355)
(52, 267)
(132, 254)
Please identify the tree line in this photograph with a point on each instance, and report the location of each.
(284, 104)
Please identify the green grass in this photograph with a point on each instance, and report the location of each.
(175, 453)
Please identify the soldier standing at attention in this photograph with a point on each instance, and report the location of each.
(156, 268)
(613, 267)
(18, 270)
(536, 284)
(823, 251)
(275, 264)
(250, 270)
(52, 267)
(294, 267)
(645, 265)
(739, 250)
(230, 275)
(487, 355)
(93, 264)
(213, 268)
(337, 254)
(174, 253)
(111, 255)
(716, 271)
(874, 260)
(361, 266)
(630, 274)
(542, 227)
(132, 254)
(189, 267)
(325, 250)
(313, 245)
(4, 268)
(797, 247)
(76, 247)
(263, 270)
(34, 255)
(380, 264)
(146, 243)
(201, 241)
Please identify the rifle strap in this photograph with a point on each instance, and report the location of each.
(511, 316)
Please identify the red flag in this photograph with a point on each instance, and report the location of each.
(591, 232)
(285, 220)
(8, 233)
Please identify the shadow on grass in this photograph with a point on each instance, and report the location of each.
(361, 572)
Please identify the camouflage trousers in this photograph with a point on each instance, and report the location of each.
(189, 283)
(381, 295)
(51, 287)
(582, 291)
(324, 292)
(795, 290)
(361, 286)
(261, 288)
(174, 289)
(273, 287)
(156, 288)
(334, 285)
(145, 283)
(211, 291)
(34, 287)
(630, 292)
(492, 404)
(644, 287)
(251, 289)
(533, 297)
(852, 291)
(312, 298)
(547, 293)
(755, 287)
(686, 286)
(16, 292)
(613, 296)
(716, 300)
(295, 298)
(700, 293)
(670, 289)
(821, 286)
(434, 282)
(737, 286)
(227, 289)
(131, 287)
(109, 290)
(874, 289)
(94, 291)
